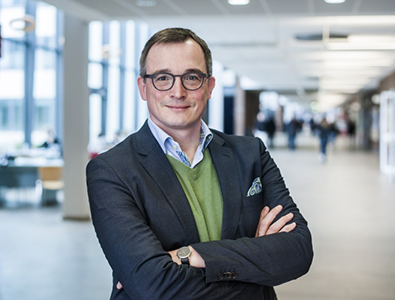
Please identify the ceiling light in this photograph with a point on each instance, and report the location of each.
(238, 2)
(381, 62)
(334, 1)
(327, 101)
(351, 72)
(111, 52)
(146, 3)
(357, 55)
(26, 23)
(371, 38)
(360, 46)
(341, 82)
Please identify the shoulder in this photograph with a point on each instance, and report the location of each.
(243, 144)
(130, 149)
(234, 139)
(113, 157)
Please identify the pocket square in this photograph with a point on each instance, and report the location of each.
(255, 188)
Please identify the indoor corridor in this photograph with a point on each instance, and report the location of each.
(348, 203)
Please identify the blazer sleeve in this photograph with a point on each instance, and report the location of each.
(124, 229)
(268, 260)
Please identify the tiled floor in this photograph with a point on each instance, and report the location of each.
(349, 204)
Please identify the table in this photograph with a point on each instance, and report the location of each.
(22, 172)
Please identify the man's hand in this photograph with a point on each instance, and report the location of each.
(266, 225)
(195, 260)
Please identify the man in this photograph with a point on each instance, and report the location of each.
(185, 212)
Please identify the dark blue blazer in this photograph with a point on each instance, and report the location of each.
(139, 211)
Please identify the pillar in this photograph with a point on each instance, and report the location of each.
(76, 119)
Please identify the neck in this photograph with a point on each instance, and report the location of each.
(188, 140)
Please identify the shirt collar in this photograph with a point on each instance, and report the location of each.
(205, 135)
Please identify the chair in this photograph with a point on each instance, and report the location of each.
(51, 182)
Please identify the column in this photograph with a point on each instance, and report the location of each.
(76, 123)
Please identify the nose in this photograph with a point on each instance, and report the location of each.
(178, 91)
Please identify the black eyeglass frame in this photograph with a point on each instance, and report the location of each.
(174, 80)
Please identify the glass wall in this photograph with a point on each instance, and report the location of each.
(30, 59)
(31, 77)
(115, 106)
(12, 79)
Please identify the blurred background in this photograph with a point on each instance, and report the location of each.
(314, 79)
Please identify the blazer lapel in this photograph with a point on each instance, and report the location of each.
(228, 176)
(157, 165)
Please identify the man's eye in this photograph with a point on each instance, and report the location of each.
(163, 78)
(193, 77)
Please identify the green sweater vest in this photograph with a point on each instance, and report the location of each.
(201, 186)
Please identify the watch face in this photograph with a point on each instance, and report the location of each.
(183, 252)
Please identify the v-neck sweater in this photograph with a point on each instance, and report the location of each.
(202, 189)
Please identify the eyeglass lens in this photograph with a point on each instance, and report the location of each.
(191, 81)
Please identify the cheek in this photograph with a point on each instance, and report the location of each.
(202, 104)
(151, 104)
(154, 101)
(202, 99)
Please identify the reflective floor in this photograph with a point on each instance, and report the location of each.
(349, 205)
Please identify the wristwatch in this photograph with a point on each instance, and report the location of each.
(183, 254)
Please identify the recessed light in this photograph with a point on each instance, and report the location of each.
(334, 1)
(238, 2)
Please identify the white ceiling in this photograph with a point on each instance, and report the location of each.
(258, 40)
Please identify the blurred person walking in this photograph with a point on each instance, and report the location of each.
(292, 129)
(351, 128)
(324, 132)
(270, 128)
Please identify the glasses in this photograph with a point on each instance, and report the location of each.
(165, 81)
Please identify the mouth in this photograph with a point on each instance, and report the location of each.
(177, 107)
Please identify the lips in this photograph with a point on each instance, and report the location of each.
(177, 107)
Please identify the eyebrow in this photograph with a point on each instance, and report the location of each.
(186, 71)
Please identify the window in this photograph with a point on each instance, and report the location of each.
(29, 78)
(12, 94)
(44, 95)
(115, 105)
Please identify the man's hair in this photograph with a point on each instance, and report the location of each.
(175, 35)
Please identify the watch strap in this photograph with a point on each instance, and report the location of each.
(185, 260)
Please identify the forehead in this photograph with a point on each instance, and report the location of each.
(176, 57)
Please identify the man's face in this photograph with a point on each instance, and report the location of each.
(177, 108)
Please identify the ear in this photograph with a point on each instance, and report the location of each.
(142, 88)
(211, 85)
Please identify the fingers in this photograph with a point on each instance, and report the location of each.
(289, 227)
(266, 225)
(266, 219)
(119, 286)
(264, 213)
(280, 224)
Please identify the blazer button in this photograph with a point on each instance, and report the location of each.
(231, 275)
(227, 276)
